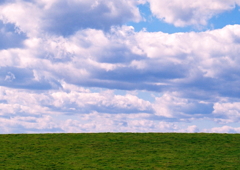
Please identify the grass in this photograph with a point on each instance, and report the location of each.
(134, 151)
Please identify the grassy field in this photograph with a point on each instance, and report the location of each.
(120, 151)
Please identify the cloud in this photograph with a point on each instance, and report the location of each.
(24, 78)
(149, 61)
(172, 106)
(153, 58)
(28, 125)
(67, 17)
(160, 60)
(52, 61)
(227, 112)
(104, 102)
(121, 58)
(184, 13)
(69, 102)
(224, 129)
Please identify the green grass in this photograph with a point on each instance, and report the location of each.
(120, 151)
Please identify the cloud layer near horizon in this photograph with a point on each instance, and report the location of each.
(62, 67)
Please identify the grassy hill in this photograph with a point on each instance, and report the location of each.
(120, 151)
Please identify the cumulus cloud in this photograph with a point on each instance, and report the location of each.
(173, 106)
(67, 17)
(223, 129)
(184, 13)
(21, 124)
(51, 61)
(226, 112)
(157, 62)
(68, 101)
(154, 60)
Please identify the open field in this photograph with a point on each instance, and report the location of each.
(120, 151)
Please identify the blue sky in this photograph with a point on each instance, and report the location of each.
(75, 66)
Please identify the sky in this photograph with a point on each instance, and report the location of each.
(82, 66)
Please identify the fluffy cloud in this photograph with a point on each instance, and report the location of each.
(51, 61)
(70, 102)
(21, 124)
(226, 112)
(157, 62)
(172, 106)
(183, 13)
(67, 17)
(223, 129)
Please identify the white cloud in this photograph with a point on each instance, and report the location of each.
(105, 102)
(171, 105)
(192, 129)
(69, 101)
(223, 129)
(16, 12)
(20, 124)
(226, 112)
(116, 123)
(150, 61)
(189, 12)
(192, 59)
(66, 17)
(47, 75)
(94, 58)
